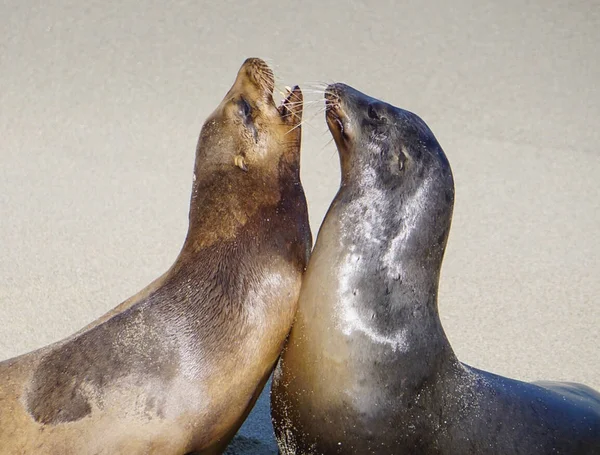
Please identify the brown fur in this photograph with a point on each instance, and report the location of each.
(176, 368)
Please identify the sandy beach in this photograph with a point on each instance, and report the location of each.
(101, 105)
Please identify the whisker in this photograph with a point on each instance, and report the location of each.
(311, 118)
(306, 103)
(318, 84)
(297, 126)
(305, 121)
(314, 91)
(319, 112)
(270, 62)
(327, 144)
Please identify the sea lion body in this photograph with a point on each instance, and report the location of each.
(367, 368)
(176, 368)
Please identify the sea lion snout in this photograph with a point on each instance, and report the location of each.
(254, 86)
(256, 72)
(247, 129)
(346, 97)
(356, 105)
(335, 113)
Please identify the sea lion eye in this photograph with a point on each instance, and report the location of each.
(372, 113)
(245, 108)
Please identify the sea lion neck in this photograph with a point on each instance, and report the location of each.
(388, 285)
(226, 202)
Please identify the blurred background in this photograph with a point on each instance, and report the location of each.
(101, 103)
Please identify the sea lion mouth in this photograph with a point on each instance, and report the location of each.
(291, 106)
(290, 109)
(334, 114)
(255, 83)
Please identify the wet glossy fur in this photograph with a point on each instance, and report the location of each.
(367, 368)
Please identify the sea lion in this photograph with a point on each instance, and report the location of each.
(176, 368)
(367, 368)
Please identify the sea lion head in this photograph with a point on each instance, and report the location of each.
(247, 132)
(247, 158)
(393, 169)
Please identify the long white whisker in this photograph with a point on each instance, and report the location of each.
(327, 144)
(319, 112)
(317, 84)
(300, 103)
(297, 126)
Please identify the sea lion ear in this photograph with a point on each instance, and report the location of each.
(398, 161)
(240, 162)
(401, 160)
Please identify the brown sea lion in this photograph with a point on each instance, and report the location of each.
(176, 368)
(368, 368)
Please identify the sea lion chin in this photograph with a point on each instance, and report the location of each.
(367, 367)
(176, 368)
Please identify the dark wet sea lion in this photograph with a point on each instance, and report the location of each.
(176, 368)
(367, 368)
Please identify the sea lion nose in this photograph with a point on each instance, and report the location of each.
(258, 72)
(333, 91)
